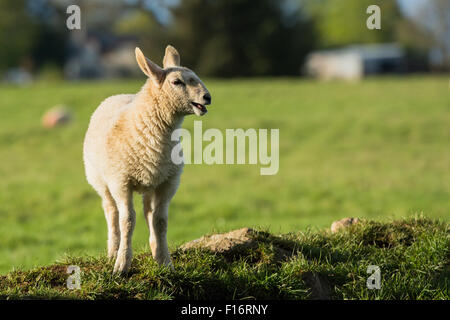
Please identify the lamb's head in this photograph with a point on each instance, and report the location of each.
(181, 86)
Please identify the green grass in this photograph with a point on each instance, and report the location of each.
(413, 256)
(379, 149)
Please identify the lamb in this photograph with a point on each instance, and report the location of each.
(127, 148)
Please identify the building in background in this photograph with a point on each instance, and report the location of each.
(96, 55)
(356, 61)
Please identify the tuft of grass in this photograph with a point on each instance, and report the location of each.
(413, 256)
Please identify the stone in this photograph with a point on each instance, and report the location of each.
(343, 223)
(224, 242)
(58, 115)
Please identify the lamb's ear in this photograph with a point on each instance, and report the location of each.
(151, 69)
(171, 57)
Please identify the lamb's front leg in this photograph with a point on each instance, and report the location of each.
(158, 234)
(156, 209)
(127, 221)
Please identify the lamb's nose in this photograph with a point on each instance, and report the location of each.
(207, 98)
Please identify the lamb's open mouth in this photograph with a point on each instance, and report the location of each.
(199, 109)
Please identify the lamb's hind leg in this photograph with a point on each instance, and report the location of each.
(109, 207)
(127, 221)
(112, 220)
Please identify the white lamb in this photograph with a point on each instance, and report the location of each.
(128, 148)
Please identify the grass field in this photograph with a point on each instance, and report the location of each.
(377, 149)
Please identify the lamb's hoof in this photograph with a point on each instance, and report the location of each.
(167, 263)
(112, 256)
(113, 250)
(121, 269)
(170, 266)
(122, 265)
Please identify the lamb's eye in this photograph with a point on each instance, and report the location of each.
(178, 82)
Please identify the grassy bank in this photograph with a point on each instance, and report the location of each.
(413, 256)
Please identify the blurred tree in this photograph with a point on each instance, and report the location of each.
(17, 34)
(417, 43)
(31, 34)
(433, 19)
(151, 35)
(342, 22)
(49, 42)
(241, 37)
